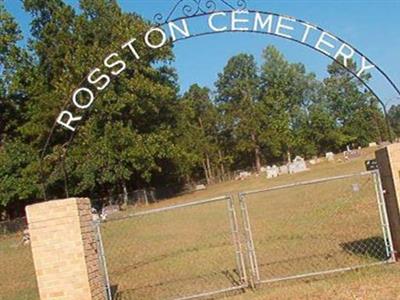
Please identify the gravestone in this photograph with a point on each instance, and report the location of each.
(243, 175)
(298, 165)
(283, 170)
(351, 154)
(330, 156)
(272, 171)
(200, 187)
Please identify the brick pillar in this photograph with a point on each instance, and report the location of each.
(64, 250)
(389, 167)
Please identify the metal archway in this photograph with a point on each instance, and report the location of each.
(192, 9)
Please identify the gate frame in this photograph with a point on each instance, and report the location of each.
(236, 242)
(102, 259)
(251, 251)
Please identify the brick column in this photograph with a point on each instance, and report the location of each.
(64, 250)
(389, 167)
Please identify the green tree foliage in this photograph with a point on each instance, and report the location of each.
(394, 117)
(354, 109)
(198, 136)
(141, 132)
(18, 175)
(237, 96)
(18, 168)
(287, 90)
(129, 137)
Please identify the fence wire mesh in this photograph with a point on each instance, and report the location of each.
(17, 273)
(178, 252)
(305, 229)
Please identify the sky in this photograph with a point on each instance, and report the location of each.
(372, 26)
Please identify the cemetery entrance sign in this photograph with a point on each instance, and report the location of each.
(195, 18)
(199, 21)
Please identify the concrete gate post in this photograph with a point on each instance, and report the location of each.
(64, 250)
(388, 159)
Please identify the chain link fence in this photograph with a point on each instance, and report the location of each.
(17, 273)
(203, 248)
(315, 228)
(177, 252)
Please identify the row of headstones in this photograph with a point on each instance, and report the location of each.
(298, 165)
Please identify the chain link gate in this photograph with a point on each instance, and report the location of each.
(301, 230)
(194, 250)
(184, 251)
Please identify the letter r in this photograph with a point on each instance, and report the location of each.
(70, 119)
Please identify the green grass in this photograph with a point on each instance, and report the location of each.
(189, 251)
(296, 231)
(17, 274)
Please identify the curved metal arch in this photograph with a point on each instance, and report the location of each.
(200, 13)
(380, 70)
(192, 8)
(370, 89)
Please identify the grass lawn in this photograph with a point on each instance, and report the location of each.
(188, 251)
(298, 230)
(17, 275)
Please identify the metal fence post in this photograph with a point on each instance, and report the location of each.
(249, 242)
(237, 241)
(102, 260)
(387, 235)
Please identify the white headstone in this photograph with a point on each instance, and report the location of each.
(200, 187)
(298, 165)
(243, 175)
(283, 170)
(329, 156)
(272, 171)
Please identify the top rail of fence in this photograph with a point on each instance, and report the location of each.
(309, 182)
(171, 207)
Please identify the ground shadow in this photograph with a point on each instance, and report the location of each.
(373, 247)
(229, 274)
(131, 294)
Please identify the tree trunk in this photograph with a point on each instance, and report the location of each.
(125, 191)
(221, 165)
(65, 178)
(210, 173)
(187, 179)
(289, 157)
(257, 156)
(205, 172)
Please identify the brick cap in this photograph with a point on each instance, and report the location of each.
(43, 206)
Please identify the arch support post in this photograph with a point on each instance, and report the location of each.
(388, 159)
(64, 250)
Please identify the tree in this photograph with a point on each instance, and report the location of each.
(394, 117)
(286, 92)
(131, 128)
(11, 55)
(18, 159)
(354, 109)
(237, 97)
(198, 131)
